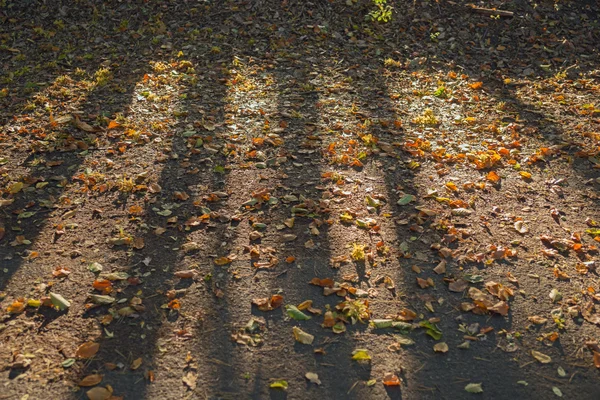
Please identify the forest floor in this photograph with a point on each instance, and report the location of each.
(287, 199)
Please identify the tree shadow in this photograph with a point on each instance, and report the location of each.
(214, 304)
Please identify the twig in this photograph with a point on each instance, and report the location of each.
(353, 386)
(492, 12)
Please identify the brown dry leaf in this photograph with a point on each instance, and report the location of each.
(188, 274)
(91, 380)
(424, 284)
(84, 126)
(500, 291)
(223, 261)
(407, 315)
(136, 363)
(440, 268)
(268, 304)
(87, 350)
(190, 379)
(99, 393)
(500, 308)
(458, 286)
(328, 320)
(535, 319)
(138, 243)
(182, 196)
(597, 359)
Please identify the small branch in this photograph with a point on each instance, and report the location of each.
(492, 12)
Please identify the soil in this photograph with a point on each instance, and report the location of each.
(185, 159)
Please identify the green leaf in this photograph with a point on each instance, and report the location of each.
(68, 362)
(26, 214)
(382, 323)
(219, 169)
(360, 355)
(557, 391)
(96, 267)
(293, 312)
(59, 301)
(279, 385)
(473, 278)
(407, 198)
(432, 329)
(474, 388)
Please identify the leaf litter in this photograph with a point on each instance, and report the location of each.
(407, 168)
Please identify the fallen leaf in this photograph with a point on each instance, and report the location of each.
(187, 274)
(87, 350)
(541, 357)
(474, 388)
(360, 355)
(136, 363)
(190, 379)
(440, 347)
(296, 314)
(59, 302)
(313, 378)
(535, 319)
(268, 304)
(390, 379)
(90, 380)
(279, 385)
(597, 359)
(99, 393)
(301, 336)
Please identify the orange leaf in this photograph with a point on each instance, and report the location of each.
(87, 350)
(91, 380)
(493, 177)
(136, 210)
(597, 359)
(174, 304)
(101, 284)
(476, 85)
(390, 379)
(290, 259)
(17, 307)
(327, 282)
(113, 124)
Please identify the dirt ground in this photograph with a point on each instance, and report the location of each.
(288, 199)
